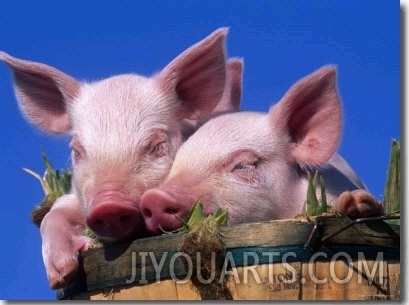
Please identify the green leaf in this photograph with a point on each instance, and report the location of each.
(221, 217)
(313, 206)
(392, 186)
(324, 204)
(312, 200)
(196, 214)
(54, 183)
(197, 218)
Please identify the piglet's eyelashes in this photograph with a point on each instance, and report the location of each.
(243, 160)
(159, 149)
(158, 144)
(246, 166)
(78, 152)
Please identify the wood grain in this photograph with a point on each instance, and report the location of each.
(250, 247)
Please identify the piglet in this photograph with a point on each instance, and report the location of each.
(255, 165)
(125, 132)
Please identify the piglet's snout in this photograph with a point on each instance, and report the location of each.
(162, 212)
(112, 217)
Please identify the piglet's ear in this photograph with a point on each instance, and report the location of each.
(231, 98)
(42, 93)
(197, 76)
(310, 113)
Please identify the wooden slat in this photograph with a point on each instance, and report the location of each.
(394, 279)
(116, 265)
(341, 280)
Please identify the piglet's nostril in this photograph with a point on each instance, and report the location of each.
(170, 210)
(147, 213)
(125, 220)
(98, 225)
(162, 211)
(113, 220)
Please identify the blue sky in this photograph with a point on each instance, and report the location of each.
(280, 41)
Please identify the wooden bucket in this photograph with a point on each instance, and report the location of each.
(325, 259)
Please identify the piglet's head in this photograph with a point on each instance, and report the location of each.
(125, 129)
(249, 163)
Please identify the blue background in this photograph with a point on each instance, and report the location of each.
(280, 41)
